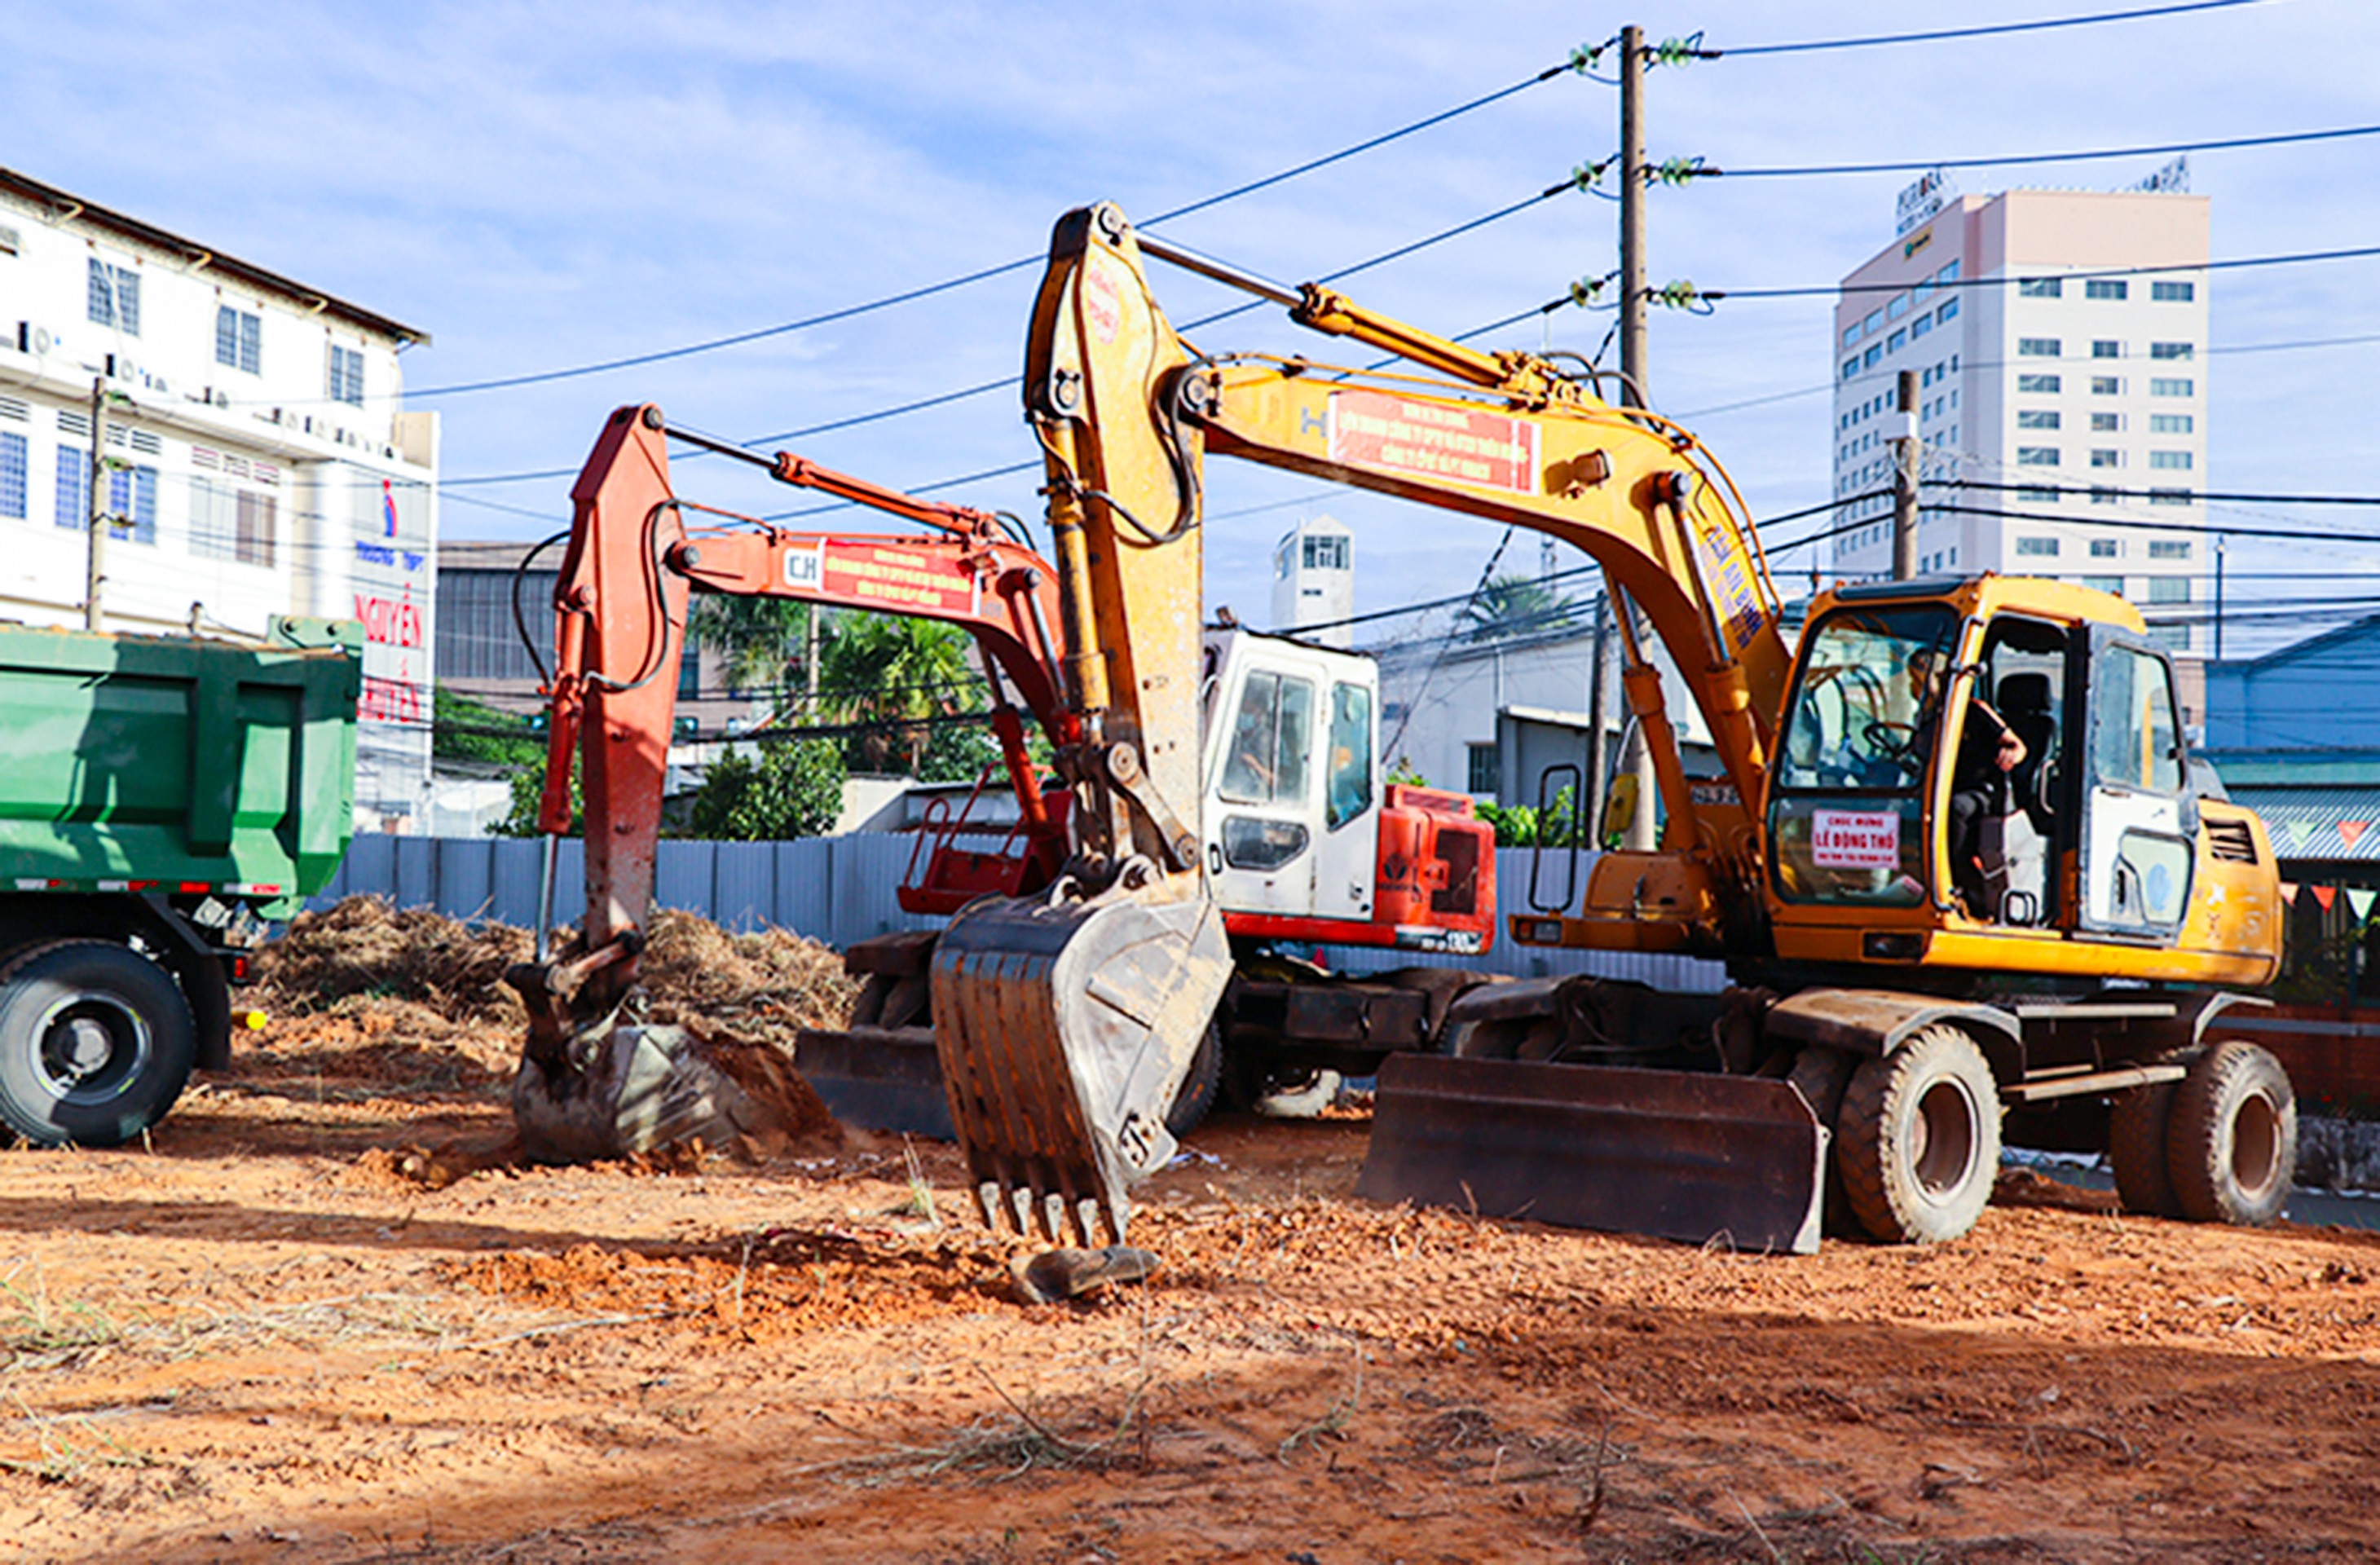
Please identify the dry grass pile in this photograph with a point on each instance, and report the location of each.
(365, 947)
(759, 985)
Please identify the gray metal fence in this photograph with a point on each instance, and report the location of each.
(840, 890)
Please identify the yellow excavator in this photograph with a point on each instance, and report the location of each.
(1956, 857)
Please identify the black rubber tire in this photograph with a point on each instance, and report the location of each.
(1300, 1096)
(2137, 1150)
(96, 1043)
(1824, 1074)
(1195, 1098)
(1921, 1139)
(2231, 1144)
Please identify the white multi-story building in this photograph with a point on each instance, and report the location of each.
(2081, 391)
(1314, 581)
(259, 458)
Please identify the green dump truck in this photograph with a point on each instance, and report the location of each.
(162, 800)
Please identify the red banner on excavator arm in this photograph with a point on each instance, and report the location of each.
(928, 581)
(1431, 440)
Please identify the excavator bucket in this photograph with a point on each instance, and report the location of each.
(878, 1078)
(1065, 1023)
(1671, 1154)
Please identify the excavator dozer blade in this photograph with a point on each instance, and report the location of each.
(1669, 1154)
(628, 1089)
(1065, 1024)
(878, 1078)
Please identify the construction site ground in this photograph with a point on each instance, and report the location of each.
(325, 1316)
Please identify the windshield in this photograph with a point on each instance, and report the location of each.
(1862, 716)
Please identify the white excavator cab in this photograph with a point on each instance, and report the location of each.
(1290, 815)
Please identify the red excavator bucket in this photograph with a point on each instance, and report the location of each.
(1065, 1023)
(1672, 1154)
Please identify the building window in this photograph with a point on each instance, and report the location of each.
(239, 336)
(1896, 342)
(1949, 272)
(1326, 553)
(12, 476)
(2107, 385)
(1950, 310)
(2172, 350)
(2037, 496)
(2037, 456)
(2107, 423)
(1919, 326)
(2173, 293)
(1850, 333)
(2105, 288)
(2169, 549)
(2102, 495)
(2037, 384)
(1874, 323)
(2167, 497)
(1897, 309)
(2171, 423)
(1872, 356)
(2172, 637)
(2037, 347)
(2106, 348)
(346, 374)
(2107, 548)
(1481, 775)
(2171, 461)
(2169, 589)
(2037, 418)
(132, 500)
(73, 488)
(1851, 368)
(2103, 456)
(2038, 547)
(116, 297)
(2174, 385)
(2114, 584)
(231, 524)
(2041, 289)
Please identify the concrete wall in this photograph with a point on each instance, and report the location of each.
(840, 890)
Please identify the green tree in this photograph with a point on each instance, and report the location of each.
(794, 789)
(466, 730)
(761, 641)
(892, 671)
(1516, 605)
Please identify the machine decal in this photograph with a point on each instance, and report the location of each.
(1855, 839)
(1727, 566)
(904, 580)
(1431, 440)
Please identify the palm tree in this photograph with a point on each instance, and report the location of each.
(896, 669)
(760, 641)
(1516, 605)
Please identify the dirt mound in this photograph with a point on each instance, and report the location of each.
(768, 985)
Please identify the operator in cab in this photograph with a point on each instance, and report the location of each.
(1989, 748)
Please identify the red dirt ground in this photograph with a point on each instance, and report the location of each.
(321, 1318)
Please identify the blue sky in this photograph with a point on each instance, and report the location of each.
(543, 185)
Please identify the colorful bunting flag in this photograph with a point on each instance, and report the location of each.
(2361, 902)
(2325, 896)
(2293, 831)
(2289, 893)
(2350, 829)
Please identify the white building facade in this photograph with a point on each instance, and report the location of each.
(1314, 582)
(2078, 391)
(259, 459)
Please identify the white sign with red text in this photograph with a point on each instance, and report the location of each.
(1855, 839)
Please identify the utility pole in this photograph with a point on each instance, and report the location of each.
(2218, 597)
(1598, 748)
(1904, 479)
(96, 578)
(1643, 833)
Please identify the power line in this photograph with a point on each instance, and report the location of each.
(2237, 263)
(927, 290)
(1944, 34)
(2177, 496)
(2229, 529)
(1702, 171)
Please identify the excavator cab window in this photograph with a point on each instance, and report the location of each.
(1847, 812)
(1351, 754)
(1270, 736)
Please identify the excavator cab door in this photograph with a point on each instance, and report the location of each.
(2139, 819)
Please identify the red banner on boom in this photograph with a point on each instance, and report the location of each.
(1434, 440)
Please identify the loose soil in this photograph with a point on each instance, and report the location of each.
(326, 1317)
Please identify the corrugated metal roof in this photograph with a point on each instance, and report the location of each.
(2325, 824)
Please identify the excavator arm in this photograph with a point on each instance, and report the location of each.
(593, 1082)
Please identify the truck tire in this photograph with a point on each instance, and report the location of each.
(1195, 1096)
(2138, 1151)
(2232, 1143)
(1921, 1139)
(1824, 1074)
(96, 1043)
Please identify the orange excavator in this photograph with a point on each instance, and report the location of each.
(1311, 847)
(1926, 950)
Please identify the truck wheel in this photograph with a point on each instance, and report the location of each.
(1300, 1095)
(1823, 1075)
(96, 1042)
(2137, 1150)
(2231, 1144)
(1921, 1139)
(1196, 1096)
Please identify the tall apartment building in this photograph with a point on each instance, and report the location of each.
(259, 457)
(2085, 394)
(1314, 581)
